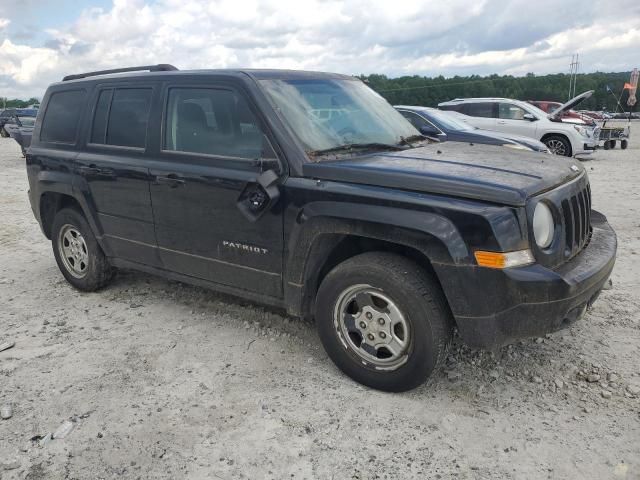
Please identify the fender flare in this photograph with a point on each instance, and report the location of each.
(435, 236)
(63, 183)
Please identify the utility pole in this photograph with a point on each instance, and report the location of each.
(573, 75)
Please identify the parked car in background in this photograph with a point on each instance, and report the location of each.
(21, 131)
(443, 126)
(521, 118)
(10, 116)
(569, 116)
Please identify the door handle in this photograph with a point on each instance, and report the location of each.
(172, 180)
(94, 170)
(501, 122)
(89, 170)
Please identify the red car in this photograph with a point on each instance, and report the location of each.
(570, 116)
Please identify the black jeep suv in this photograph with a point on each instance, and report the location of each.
(308, 191)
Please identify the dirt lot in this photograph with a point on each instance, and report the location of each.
(164, 380)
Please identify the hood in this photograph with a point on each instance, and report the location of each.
(480, 172)
(565, 107)
(532, 143)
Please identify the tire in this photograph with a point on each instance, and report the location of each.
(624, 144)
(82, 262)
(4, 133)
(612, 144)
(424, 323)
(558, 145)
(607, 145)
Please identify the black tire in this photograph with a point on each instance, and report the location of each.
(558, 143)
(612, 144)
(418, 297)
(607, 145)
(624, 144)
(97, 272)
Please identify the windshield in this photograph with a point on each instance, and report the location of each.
(329, 113)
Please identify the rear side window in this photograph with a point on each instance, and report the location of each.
(60, 124)
(484, 109)
(121, 117)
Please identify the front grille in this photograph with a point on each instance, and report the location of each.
(576, 212)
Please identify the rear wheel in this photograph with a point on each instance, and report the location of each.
(77, 253)
(612, 144)
(558, 145)
(383, 321)
(624, 144)
(607, 145)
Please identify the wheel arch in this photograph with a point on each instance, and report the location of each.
(324, 239)
(559, 134)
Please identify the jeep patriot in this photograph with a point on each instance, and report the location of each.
(308, 192)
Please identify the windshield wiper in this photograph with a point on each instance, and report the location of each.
(347, 147)
(413, 138)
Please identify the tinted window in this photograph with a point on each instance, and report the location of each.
(213, 122)
(128, 117)
(61, 118)
(416, 120)
(99, 130)
(509, 111)
(479, 109)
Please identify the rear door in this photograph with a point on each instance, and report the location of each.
(483, 114)
(213, 146)
(113, 174)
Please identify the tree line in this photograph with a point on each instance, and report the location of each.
(429, 91)
(17, 103)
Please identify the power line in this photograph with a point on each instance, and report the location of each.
(438, 85)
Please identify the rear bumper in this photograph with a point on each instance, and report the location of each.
(497, 307)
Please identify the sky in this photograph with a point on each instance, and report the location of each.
(43, 40)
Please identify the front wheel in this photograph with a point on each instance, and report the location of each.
(383, 321)
(624, 144)
(558, 145)
(77, 252)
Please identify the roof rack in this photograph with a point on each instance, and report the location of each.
(161, 67)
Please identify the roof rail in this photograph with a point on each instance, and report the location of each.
(161, 67)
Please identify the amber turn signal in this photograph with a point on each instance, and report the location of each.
(503, 259)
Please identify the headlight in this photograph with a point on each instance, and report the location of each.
(516, 146)
(543, 225)
(581, 130)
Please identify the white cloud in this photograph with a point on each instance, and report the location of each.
(357, 36)
(4, 23)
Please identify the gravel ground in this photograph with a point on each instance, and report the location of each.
(165, 380)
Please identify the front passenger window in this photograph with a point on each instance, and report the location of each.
(509, 111)
(211, 122)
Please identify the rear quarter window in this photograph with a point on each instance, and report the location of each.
(62, 116)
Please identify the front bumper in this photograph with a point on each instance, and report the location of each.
(496, 307)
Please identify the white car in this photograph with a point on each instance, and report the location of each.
(522, 118)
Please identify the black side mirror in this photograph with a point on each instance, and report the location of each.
(259, 196)
(429, 131)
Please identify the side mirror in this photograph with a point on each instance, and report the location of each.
(530, 117)
(429, 131)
